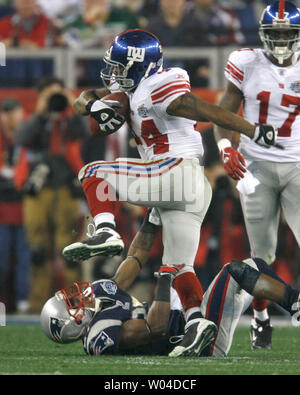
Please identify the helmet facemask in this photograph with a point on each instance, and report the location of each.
(280, 42)
(77, 297)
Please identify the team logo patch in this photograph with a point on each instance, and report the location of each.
(295, 86)
(102, 342)
(143, 111)
(109, 287)
(55, 328)
(136, 54)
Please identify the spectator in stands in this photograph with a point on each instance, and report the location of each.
(52, 140)
(216, 25)
(14, 249)
(98, 23)
(172, 23)
(27, 27)
(5, 8)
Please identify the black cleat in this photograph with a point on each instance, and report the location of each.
(106, 241)
(261, 334)
(199, 333)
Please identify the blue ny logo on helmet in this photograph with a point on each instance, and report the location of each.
(280, 29)
(133, 56)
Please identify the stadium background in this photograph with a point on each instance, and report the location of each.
(59, 52)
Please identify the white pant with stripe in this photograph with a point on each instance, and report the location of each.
(175, 187)
(223, 303)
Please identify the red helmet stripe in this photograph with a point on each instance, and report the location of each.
(281, 9)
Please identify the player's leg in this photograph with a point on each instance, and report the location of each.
(261, 213)
(145, 183)
(224, 302)
(181, 234)
(290, 197)
(229, 295)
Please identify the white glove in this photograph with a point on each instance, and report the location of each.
(102, 111)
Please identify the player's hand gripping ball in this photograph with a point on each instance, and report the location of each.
(111, 112)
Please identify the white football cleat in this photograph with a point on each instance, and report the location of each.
(199, 333)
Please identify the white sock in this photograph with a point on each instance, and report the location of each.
(104, 217)
(261, 315)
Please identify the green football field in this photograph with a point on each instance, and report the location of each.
(24, 349)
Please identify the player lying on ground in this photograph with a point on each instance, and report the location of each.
(111, 321)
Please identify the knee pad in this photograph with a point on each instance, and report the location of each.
(244, 275)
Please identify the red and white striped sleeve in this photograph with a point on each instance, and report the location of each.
(235, 67)
(172, 83)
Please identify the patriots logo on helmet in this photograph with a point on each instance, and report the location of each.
(55, 328)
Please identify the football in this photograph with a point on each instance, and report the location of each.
(122, 98)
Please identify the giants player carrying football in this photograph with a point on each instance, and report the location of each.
(266, 81)
(162, 118)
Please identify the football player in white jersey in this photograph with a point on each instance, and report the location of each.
(169, 177)
(266, 82)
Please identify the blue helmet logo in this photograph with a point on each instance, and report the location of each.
(133, 56)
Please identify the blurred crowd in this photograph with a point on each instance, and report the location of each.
(87, 24)
(93, 23)
(42, 207)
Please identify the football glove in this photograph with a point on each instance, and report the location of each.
(108, 119)
(266, 135)
(234, 163)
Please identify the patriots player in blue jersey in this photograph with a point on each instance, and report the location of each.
(110, 321)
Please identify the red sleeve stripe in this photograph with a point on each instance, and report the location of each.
(171, 94)
(169, 83)
(235, 67)
(169, 89)
(234, 74)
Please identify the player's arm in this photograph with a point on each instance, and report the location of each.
(191, 106)
(231, 101)
(138, 332)
(233, 161)
(138, 254)
(87, 96)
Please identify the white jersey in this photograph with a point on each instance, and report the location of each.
(272, 96)
(159, 135)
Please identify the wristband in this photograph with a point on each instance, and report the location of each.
(223, 143)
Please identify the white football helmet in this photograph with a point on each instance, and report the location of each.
(62, 319)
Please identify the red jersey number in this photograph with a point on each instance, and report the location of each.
(287, 100)
(152, 136)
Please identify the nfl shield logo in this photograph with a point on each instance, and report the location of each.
(143, 111)
(295, 86)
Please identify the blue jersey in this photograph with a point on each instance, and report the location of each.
(116, 307)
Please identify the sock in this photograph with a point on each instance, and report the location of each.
(100, 196)
(261, 315)
(190, 292)
(105, 219)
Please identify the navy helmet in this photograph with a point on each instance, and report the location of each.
(133, 56)
(280, 29)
